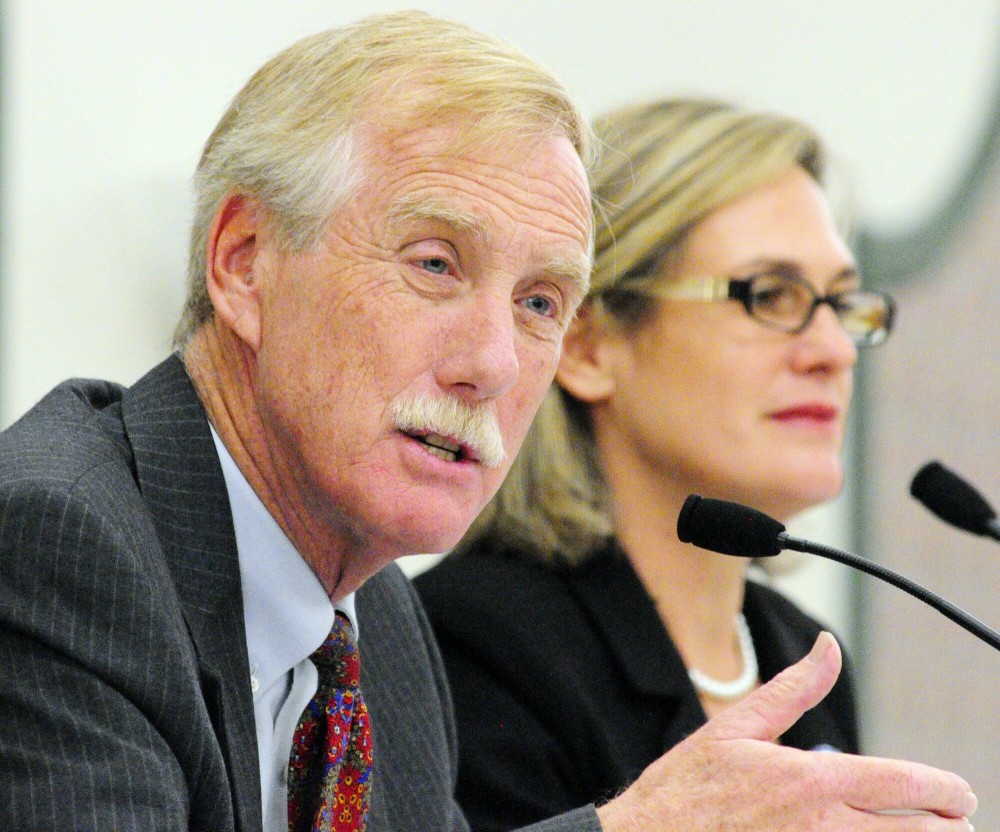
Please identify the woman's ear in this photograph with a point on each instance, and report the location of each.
(233, 265)
(585, 367)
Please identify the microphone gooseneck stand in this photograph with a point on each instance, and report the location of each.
(942, 605)
(734, 529)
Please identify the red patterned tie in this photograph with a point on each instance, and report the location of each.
(329, 771)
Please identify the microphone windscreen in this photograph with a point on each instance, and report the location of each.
(728, 528)
(951, 498)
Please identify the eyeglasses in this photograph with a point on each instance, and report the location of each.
(788, 302)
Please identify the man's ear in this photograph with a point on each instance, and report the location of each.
(234, 265)
(585, 367)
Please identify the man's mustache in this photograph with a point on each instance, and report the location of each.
(475, 428)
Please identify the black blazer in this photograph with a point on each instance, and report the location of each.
(125, 698)
(566, 684)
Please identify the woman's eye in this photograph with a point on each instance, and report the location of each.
(778, 297)
(769, 297)
(540, 305)
(436, 265)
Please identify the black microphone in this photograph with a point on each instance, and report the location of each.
(734, 529)
(954, 500)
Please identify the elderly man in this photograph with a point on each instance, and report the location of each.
(202, 628)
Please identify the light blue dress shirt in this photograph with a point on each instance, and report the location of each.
(287, 615)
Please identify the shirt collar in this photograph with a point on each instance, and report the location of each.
(286, 611)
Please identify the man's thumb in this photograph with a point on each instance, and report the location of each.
(775, 707)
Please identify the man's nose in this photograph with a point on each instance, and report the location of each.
(479, 358)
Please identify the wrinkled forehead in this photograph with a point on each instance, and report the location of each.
(460, 144)
(483, 182)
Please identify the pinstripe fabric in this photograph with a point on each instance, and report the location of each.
(115, 683)
(182, 484)
(124, 682)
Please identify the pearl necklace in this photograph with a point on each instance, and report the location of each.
(743, 684)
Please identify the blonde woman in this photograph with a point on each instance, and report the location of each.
(714, 354)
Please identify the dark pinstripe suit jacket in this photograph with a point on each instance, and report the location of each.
(124, 684)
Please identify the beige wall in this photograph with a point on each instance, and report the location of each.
(933, 692)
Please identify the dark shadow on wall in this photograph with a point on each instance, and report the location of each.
(931, 692)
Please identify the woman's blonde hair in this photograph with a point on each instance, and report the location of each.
(288, 138)
(662, 167)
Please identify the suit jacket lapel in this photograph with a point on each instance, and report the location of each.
(179, 475)
(620, 609)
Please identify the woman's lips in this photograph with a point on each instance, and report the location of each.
(819, 413)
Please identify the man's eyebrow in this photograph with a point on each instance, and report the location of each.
(574, 270)
(417, 209)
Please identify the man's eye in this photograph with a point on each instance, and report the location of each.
(437, 265)
(540, 305)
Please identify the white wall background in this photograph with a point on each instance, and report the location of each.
(105, 107)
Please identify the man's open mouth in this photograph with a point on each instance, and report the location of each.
(441, 446)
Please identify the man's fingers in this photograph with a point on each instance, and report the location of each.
(775, 707)
(730, 775)
(879, 785)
